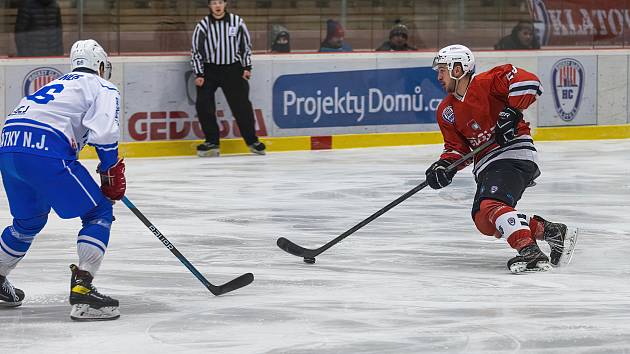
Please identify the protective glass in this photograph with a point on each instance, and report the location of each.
(108, 70)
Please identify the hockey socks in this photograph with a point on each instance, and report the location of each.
(503, 221)
(94, 236)
(16, 239)
(530, 258)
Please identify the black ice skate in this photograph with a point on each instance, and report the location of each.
(10, 296)
(530, 259)
(561, 240)
(208, 150)
(87, 303)
(258, 148)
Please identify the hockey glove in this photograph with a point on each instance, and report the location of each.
(505, 131)
(113, 183)
(437, 176)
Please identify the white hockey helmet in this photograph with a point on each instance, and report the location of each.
(89, 54)
(453, 54)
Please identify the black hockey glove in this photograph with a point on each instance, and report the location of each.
(505, 131)
(437, 177)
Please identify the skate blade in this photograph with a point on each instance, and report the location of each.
(83, 312)
(209, 153)
(569, 247)
(256, 152)
(10, 304)
(521, 267)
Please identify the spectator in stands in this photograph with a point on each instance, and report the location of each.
(398, 37)
(141, 4)
(280, 39)
(522, 37)
(38, 29)
(334, 41)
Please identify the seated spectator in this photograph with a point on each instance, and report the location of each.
(522, 37)
(38, 29)
(280, 39)
(334, 38)
(141, 4)
(398, 37)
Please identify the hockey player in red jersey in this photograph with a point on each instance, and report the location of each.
(489, 105)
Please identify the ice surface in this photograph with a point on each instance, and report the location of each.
(418, 279)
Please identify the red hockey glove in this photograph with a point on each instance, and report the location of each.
(437, 177)
(505, 131)
(113, 183)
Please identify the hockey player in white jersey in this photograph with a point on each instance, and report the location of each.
(39, 148)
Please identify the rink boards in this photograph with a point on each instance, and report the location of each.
(323, 101)
(349, 141)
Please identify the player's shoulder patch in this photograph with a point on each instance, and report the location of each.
(448, 115)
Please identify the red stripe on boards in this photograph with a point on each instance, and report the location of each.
(321, 142)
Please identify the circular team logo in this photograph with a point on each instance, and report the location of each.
(567, 79)
(448, 114)
(39, 78)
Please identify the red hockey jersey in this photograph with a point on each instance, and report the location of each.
(469, 122)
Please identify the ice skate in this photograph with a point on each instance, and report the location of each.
(530, 259)
(87, 303)
(208, 150)
(10, 296)
(258, 148)
(561, 240)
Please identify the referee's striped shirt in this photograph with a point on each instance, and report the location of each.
(222, 42)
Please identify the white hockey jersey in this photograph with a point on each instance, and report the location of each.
(59, 119)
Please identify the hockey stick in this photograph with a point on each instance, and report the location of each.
(310, 254)
(217, 290)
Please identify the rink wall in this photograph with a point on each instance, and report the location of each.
(322, 101)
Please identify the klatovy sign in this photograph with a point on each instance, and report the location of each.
(355, 98)
(581, 22)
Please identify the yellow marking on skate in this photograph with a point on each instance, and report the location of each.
(80, 289)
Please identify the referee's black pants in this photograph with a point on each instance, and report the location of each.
(236, 90)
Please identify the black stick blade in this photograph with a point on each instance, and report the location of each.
(232, 285)
(294, 249)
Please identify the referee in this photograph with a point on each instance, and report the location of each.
(222, 57)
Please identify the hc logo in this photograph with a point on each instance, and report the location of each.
(448, 114)
(39, 78)
(567, 76)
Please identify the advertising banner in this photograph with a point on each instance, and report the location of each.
(319, 95)
(23, 80)
(356, 98)
(581, 22)
(570, 96)
(160, 105)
